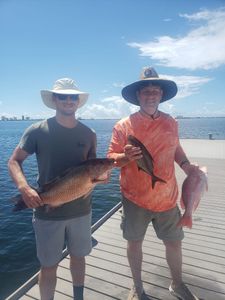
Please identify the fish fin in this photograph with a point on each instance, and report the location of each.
(19, 203)
(204, 169)
(16, 198)
(185, 221)
(155, 179)
(46, 187)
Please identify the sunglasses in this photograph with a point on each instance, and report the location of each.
(64, 97)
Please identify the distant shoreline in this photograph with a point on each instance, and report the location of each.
(92, 119)
(199, 117)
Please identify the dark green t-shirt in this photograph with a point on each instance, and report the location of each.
(58, 148)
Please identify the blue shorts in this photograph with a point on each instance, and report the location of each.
(53, 236)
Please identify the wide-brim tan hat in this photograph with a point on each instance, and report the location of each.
(149, 74)
(64, 86)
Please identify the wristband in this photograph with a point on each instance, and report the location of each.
(184, 162)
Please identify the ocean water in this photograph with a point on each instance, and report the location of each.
(17, 246)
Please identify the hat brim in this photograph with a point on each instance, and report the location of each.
(169, 88)
(46, 96)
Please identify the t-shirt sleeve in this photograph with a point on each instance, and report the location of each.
(118, 141)
(28, 140)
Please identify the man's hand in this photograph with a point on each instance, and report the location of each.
(132, 153)
(31, 197)
(188, 168)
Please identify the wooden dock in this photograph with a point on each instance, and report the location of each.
(108, 275)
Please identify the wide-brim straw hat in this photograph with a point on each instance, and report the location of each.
(64, 86)
(149, 74)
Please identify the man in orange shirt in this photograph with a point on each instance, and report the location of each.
(144, 202)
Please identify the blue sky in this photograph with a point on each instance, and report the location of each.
(103, 45)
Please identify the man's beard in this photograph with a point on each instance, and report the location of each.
(67, 113)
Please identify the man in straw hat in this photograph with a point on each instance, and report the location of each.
(150, 197)
(59, 143)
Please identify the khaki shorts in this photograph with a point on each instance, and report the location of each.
(53, 236)
(135, 221)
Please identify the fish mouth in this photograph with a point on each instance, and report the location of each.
(102, 177)
(111, 160)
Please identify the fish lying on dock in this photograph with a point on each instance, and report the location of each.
(146, 162)
(73, 184)
(193, 189)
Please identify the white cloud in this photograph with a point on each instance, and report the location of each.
(44, 114)
(113, 99)
(119, 85)
(209, 111)
(202, 48)
(113, 107)
(168, 107)
(188, 85)
(5, 114)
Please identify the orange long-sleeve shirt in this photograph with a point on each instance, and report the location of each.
(160, 137)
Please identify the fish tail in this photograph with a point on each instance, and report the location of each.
(19, 203)
(155, 179)
(185, 221)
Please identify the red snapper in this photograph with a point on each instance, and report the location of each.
(193, 189)
(74, 183)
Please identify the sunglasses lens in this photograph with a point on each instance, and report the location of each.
(64, 97)
(74, 97)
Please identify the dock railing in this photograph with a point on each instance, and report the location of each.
(34, 279)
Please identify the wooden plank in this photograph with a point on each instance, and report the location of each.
(207, 149)
(92, 282)
(207, 265)
(193, 233)
(25, 297)
(157, 248)
(120, 279)
(153, 262)
(187, 244)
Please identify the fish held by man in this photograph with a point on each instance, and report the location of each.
(73, 184)
(146, 163)
(193, 189)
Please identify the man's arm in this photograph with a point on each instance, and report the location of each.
(182, 160)
(130, 153)
(29, 195)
